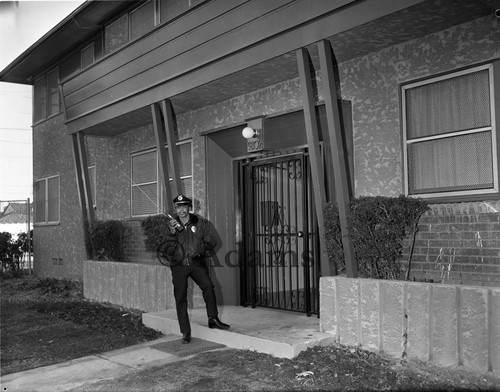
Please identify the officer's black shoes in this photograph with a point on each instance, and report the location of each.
(214, 322)
(186, 338)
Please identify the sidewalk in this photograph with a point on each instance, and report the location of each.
(89, 370)
(278, 333)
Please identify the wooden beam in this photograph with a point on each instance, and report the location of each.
(312, 132)
(337, 149)
(83, 183)
(161, 140)
(173, 149)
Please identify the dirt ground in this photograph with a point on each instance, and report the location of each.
(46, 321)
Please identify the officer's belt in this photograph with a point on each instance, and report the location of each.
(192, 260)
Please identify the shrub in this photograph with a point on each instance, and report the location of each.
(12, 253)
(155, 230)
(378, 227)
(105, 240)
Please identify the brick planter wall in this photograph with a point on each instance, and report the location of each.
(448, 325)
(459, 243)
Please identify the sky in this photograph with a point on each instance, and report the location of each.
(22, 23)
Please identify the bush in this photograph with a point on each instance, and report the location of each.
(105, 240)
(378, 227)
(155, 230)
(12, 253)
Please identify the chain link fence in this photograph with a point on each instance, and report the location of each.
(16, 218)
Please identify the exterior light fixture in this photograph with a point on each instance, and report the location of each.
(254, 134)
(249, 133)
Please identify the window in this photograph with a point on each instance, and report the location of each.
(145, 184)
(147, 199)
(185, 168)
(46, 95)
(116, 34)
(450, 146)
(170, 9)
(87, 57)
(82, 57)
(142, 20)
(47, 200)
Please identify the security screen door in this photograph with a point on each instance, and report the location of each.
(280, 235)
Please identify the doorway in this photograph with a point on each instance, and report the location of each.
(280, 239)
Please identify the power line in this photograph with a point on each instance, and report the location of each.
(12, 141)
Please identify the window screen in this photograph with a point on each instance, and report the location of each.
(53, 199)
(40, 99)
(53, 101)
(47, 200)
(144, 184)
(40, 198)
(116, 34)
(88, 57)
(142, 20)
(185, 167)
(449, 139)
(169, 9)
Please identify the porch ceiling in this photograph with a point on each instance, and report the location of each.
(413, 22)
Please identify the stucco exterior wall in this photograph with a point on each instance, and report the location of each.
(58, 249)
(370, 82)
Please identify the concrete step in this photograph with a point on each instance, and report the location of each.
(279, 333)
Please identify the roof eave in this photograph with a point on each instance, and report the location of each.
(81, 24)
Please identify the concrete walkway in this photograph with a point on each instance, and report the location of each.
(283, 334)
(279, 333)
(86, 371)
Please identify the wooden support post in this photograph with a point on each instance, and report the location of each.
(83, 183)
(173, 149)
(340, 168)
(162, 154)
(317, 172)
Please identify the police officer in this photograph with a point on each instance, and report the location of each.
(194, 240)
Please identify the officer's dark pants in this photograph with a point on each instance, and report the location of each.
(199, 273)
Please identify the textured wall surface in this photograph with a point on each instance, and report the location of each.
(144, 287)
(447, 325)
(372, 85)
(58, 249)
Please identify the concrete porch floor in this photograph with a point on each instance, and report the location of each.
(276, 332)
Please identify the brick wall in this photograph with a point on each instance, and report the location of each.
(459, 243)
(133, 247)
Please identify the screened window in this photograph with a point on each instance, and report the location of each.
(53, 101)
(185, 168)
(449, 135)
(87, 56)
(148, 192)
(40, 99)
(142, 20)
(47, 200)
(46, 96)
(116, 34)
(169, 9)
(145, 184)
